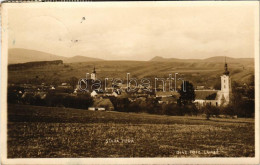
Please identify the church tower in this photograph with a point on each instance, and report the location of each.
(225, 86)
(93, 75)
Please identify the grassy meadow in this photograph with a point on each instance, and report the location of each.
(52, 132)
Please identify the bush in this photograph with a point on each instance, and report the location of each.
(134, 107)
(173, 110)
(120, 104)
(55, 100)
(210, 110)
(80, 101)
(179, 110)
(245, 108)
(12, 97)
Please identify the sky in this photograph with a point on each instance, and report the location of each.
(135, 32)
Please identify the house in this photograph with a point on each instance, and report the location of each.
(91, 108)
(93, 93)
(114, 94)
(124, 95)
(200, 87)
(64, 84)
(41, 95)
(166, 94)
(141, 98)
(103, 104)
(167, 97)
(96, 109)
(64, 88)
(168, 100)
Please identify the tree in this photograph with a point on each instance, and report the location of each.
(243, 99)
(120, 104)
(73, 81)
(56, 81)
(187, 94)
(250, 91)
(207, 111)
(210, 110)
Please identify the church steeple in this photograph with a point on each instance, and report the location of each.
(226, 72)
(225, 86)
(94, 70)
(94, 74)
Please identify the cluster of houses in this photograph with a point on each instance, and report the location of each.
(203, 96)
(102, 101)
(32, 90)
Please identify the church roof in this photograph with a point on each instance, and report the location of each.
(169, 99)
(205, 94)
(162, 93)
(226, 72)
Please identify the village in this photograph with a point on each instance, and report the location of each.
(101, 97)
(107, 98)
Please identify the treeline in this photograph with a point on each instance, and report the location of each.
(243, 98)
(33, 64)
(152, 106)
(52, 100)
(229, 110)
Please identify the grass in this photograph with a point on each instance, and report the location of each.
(46, 132)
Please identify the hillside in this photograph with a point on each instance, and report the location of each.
(24, 55)
(162, 59)
(80, 59)
(229, 59)
(30, 65)
(199, 73)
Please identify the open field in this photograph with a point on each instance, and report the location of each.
(63, 132)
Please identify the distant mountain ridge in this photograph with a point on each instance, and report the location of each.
(162, 59)
(18, 55)
(211, 59)
(81, 59)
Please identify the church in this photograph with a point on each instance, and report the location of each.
(215, 97)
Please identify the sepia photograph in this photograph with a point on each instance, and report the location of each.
(132, 80)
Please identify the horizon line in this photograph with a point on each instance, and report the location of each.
(101, 59)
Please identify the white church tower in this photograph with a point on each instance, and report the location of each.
(225, 86)
(93, 75)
